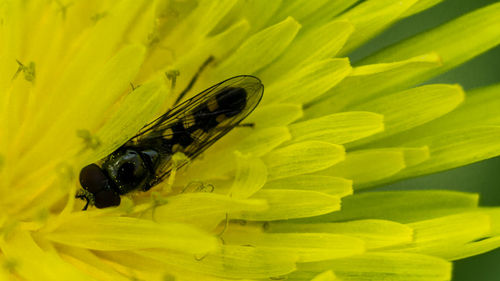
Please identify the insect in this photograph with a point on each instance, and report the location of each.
(189, 127)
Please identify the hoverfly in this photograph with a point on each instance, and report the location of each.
(189, 127)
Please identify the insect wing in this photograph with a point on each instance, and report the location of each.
(194, 125)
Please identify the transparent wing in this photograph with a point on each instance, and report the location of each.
(192, 126)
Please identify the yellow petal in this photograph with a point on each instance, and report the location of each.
(309, 82)
(338, 128)
(468, 146)
(325, 276)
(34, 263)
(302, 158)
(259, 50)
(378, 266)
(263, 141)
(204, 210)
(331, 185)
(251, 175)
(408, 109)
(402, 206)
(376, 234)
(358, 166)
(443, 236)
(124, 233)
(275, 115)
(314, 45)
(306, 246)
(371, 17)
(229, 262)
(369, 81)
(287, 204)
(482, 25)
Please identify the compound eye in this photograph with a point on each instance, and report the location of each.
(106, 198)
(93, 179)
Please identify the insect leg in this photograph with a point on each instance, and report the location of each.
(251, 125)
(172, 76)
(200, 258)
(81, 196)
(134, 87)
(86, 205)
(244, 125)
(193, 80)
(226, 225)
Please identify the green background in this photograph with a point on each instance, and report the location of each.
(482, 177)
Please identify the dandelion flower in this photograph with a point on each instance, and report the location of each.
(277, 201)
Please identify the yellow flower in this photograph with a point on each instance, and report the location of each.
(274, 201)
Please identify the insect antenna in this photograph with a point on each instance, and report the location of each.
(193, 80)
